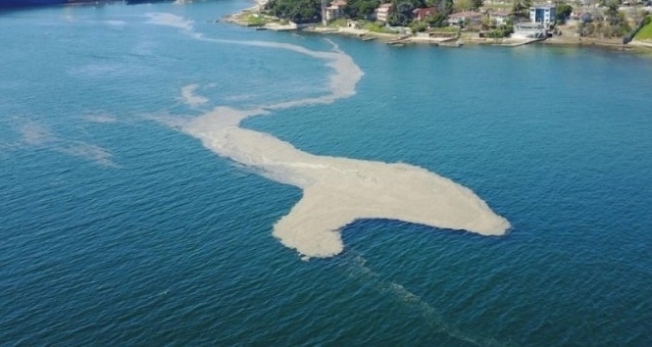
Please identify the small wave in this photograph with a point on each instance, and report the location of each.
(114, 22)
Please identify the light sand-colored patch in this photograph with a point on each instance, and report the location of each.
(88, 151)
(190, 98)
(168, 19)
(100, 118)
(35, 134)
(336, 191)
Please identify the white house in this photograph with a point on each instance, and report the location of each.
(334, 11)
(383, 11)
(546, 14)
(499, 17)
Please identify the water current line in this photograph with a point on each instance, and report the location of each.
(355, 267)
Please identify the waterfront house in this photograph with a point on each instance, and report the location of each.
(545, 14)
(500, 17)
(335, 10)
(421, 13)
(383, 11)
(465, 18)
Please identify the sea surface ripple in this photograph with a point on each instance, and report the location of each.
(116, 229)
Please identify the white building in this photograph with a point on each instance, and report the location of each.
(546, 14)
(383, 11)
(334, 11)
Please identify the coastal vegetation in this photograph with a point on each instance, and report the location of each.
(608, 21)
(377, 28)
(520, 8)
(646, 31)
(337, 23)
(306, 11)
(612, 24)
(361, 8)
(500, 32)
(564, 12)
(365, 25)
(467, 5)
(428, 24)
(298, 11)
(256, 20)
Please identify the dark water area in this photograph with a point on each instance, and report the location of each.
(116, 229)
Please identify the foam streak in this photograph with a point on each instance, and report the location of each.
(190, 98)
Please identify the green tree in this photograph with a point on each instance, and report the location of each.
(521, 8)
(299, 11)
(359, 9)
(612, 12)
(463, 5)
(418, 26)
(442, 6)
(437, 20)
(564, 11)
(402, 15)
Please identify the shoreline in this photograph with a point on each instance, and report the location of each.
(466, 38)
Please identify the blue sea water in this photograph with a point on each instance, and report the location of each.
(118, 230)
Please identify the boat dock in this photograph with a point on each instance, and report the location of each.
(520, 42)
(399, 42)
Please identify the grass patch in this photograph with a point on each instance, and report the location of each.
(337, 23)
(256, 20)
(645, 33)
(377, 28)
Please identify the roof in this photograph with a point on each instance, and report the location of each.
(422, 12)
(338, 3)
(500, 13)
(385, 5)
(543, 7)
(465, 14)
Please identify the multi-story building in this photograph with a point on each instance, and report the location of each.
(545, 14)
(383, 11)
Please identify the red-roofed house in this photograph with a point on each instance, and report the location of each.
(421, 13)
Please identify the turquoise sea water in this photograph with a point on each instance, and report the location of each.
(117, 230)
